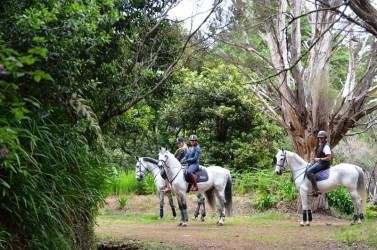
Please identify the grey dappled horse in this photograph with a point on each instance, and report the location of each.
(219, 184)
(348, 175)
(145, 165)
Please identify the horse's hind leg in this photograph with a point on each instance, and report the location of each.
(356, 219)
(203, 212)
(170, 197)
(221, 198)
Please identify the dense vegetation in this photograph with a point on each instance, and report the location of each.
(88, 85)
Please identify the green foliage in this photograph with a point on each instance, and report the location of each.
(341, 200)
(266, 187)
(216, 106)
(125, 183)
(122, 201)
(264, 201)
(371, 211)
(51, 181)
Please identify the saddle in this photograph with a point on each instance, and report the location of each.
(201, 176)
(322, 175)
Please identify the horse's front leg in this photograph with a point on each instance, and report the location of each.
(170, 197)
(306, 209)
(161, 196)
(183, 208)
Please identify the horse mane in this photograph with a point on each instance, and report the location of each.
(299, 158)
(151, 160)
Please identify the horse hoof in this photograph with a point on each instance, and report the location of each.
(180, 224)
(173, 218)
(159, 218)
(202, 219)
(184, 224)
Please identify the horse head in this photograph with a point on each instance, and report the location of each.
(281, 161)
(162, 157)
(140, 169)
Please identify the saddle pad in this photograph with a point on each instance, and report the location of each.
(201, 175)
(323, 175)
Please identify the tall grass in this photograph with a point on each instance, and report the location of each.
(51, 188)
(122, 183)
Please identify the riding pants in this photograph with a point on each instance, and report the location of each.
(316, 167)
(192, 168)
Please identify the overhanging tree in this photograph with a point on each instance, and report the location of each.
(287, 50)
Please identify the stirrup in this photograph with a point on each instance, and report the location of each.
(195, 189)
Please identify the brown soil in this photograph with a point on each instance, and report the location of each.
(239, 231)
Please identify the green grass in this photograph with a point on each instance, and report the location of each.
(362, 232)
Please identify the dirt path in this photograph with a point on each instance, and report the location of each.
(239, 231)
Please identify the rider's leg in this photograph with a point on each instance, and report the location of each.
(192, 168)
(167, 188)
(167, 184)
(316, 167)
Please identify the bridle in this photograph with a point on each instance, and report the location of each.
(141, 173)
(285, 163)
(164, 165)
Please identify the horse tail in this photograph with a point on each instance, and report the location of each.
(361, 189)
(228, 197)
(211, 199)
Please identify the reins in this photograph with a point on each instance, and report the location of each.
(168, 168)
(286, 161)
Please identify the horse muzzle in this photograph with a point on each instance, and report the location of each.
(278, 172)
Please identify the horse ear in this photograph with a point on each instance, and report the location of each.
(137, 158)
(282, 149)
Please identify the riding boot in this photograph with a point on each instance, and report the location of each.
(315, 191)
(195, 187)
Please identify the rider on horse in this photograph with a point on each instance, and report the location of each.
(321, 161)
(192, 159)
(179, 154)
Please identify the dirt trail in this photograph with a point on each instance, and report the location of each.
(239, 231)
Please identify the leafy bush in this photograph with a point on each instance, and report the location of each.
(341, 200)
(122, 201)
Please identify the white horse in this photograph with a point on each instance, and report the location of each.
(219, 183)
(145, 165)
(344, 174)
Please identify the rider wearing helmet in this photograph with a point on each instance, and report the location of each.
(192, 159)
(321, 160)
(179, 154)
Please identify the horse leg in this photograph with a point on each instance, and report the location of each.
(170, 197)
(203, 212)
(183, 207)
(196, 213)
(356, 219)
(306, 209)
(161, 196)
(221, 198)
